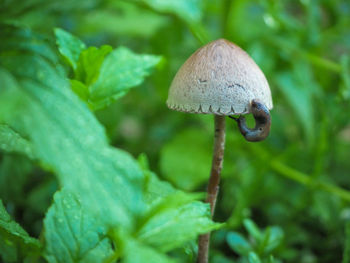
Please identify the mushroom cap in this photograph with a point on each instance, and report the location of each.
(219, 78)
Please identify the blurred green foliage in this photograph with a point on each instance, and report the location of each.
(295, 184)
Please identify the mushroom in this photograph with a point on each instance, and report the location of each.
(222, 79)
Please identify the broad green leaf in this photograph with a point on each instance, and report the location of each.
(24, 40)
(174, 217)
(109, 182)
(155, 190)
(69, 139)
(69, 46)
(187, 167)
(171, 228)
(72, 234)
(75, 135)
(238, 243)
(188, 10)
(121, 70)
(11, 141)
(15, 243)
(135, 252)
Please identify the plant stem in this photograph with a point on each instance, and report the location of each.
(213, 186)
(305, 179)
(299, 176)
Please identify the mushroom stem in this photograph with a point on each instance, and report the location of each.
(213, 186)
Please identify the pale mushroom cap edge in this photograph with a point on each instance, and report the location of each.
(219, 78)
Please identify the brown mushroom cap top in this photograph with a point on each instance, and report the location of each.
(219, 78)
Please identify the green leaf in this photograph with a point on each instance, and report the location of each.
(72, 234)
(155, 190)
(121, 70)
(102, 75)
(11, 141)
(15, 243)
(90, 62)
(253, 258)
(274, 237)
(238, 243)
(69, 46)
(135, 252)
(252, 229)
(187, 167)
(69, 139)
(88, 70)
(75, 135)
(24, 40)
(174, 218)
(108, 181)
(172, 227)
(80, 89)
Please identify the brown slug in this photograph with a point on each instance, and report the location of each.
(262, 122)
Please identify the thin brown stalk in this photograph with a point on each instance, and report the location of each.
(213, 186)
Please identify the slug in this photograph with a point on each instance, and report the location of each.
(262, 122)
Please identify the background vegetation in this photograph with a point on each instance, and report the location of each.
(283, 200)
